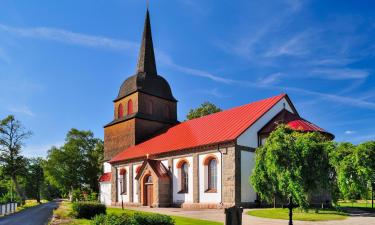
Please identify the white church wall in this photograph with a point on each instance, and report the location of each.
(105, 193)
(203, 196)
(247, 164)
(250, 139)
(250, 136)
(182, 197)
(124, 197)
(135, 183)
(106, 167)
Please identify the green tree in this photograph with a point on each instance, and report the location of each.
(77, 163)
(12, 135)
(205, 109)
(34, 178)
(365, 162)
(292, 165)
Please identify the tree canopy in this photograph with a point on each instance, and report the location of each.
(77, 163)
(203, 110)
(292, 164)
(12, 137)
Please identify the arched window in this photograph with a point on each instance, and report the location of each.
(120, 111)
(124, 183)
(184, 178)
(212, 175)
(130, 107)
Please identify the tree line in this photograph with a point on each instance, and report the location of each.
(74, 165)
(296, 166)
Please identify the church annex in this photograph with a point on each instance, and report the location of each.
(152, 159)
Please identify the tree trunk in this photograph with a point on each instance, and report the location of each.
(18, 189)
(38, 192)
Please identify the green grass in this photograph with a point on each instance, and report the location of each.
(280, 213)
(356, 204)
(29, 204)
(178, 219)
(64, 212)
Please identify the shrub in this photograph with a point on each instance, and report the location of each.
(112, 219)
(132, 219)
(88, 210)
(153, 219)
(77, 195)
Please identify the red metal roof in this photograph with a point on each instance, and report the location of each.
(215, 128)
(105, 177)
(304, 125)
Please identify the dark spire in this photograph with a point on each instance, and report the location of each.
(146, 59)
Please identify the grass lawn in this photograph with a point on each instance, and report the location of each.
(280, 213)
(64, 216)
(178, 219)
(356, 204)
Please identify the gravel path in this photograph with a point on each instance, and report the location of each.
(38, 215)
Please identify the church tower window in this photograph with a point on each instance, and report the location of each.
(120, 111)
(130, 107)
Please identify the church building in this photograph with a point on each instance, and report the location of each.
(152, 159)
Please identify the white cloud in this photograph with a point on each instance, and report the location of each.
(295, 46)
(270, 79)
(335, 98)
(70, 37)
(349, 132)
(22, 110)
(341, 74)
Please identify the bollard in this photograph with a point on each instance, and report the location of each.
(233, 215)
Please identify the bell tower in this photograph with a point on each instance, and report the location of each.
(145, 104)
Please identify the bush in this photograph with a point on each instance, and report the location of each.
(132, 219)
(112, 219)
(153, 219)
(88, 210)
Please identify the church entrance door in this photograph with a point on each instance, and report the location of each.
(148, 193)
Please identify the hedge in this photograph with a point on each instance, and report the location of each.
(132, 219)
(88, 210)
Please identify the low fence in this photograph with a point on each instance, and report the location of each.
(8, 208)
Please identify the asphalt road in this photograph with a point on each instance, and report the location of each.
(38, 215)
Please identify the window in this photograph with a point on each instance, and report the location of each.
(130, 107)
(184, 178)
(124, 182)
(212, 175)
(120, 111)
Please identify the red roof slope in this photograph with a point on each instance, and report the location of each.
(304, 125)
(106, 177)
(215, 128)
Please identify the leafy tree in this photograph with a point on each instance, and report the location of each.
(34, 178)
(12, 135)
(205, 109)
(365, 162)
(77, 163)
(292, 165)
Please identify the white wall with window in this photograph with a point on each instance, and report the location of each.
(123, 183)
(210, 178)
(136, 168)
(183, 180)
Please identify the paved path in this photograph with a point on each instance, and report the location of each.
(218, 215)
(38, 215)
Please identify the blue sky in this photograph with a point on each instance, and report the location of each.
(62, 62)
